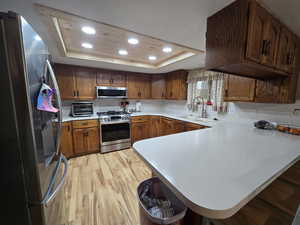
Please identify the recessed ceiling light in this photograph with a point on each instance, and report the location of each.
(86, 45)
(123, 52)
(167, 49)
(152, 57)
(37, 37)
(88, 30)
(133, 41)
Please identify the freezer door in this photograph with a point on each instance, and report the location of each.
(29, 137)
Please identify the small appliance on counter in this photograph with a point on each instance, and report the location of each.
(82, 109)
(263, 124)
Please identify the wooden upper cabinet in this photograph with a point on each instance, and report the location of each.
(158, 87)
(139, 86)
(176, 85)
(268, 91)
(271, 42)
(103, 78)
(263, 36)
(258, 23)
(76, 82)
(287, 53)
(246, 40)
(86, 83)
(111, 78)
(239, 88)
(119, 79)
(66, 81)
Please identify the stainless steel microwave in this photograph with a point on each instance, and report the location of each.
(111, 92)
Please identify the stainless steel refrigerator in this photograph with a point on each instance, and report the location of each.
(32, 168)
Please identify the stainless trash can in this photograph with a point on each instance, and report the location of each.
(158, 204)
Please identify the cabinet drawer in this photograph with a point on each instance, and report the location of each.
(137, 119)
(85, 123)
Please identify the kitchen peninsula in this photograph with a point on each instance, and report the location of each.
(217, 171)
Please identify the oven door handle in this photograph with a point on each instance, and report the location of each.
(114, 122)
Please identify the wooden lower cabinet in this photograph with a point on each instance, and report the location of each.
(171, 126)
(143, 127)
(193, 126)
(140, 129)
(66, 143)
(86, 140)
(155, 126)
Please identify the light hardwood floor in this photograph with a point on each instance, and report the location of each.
(101, 190)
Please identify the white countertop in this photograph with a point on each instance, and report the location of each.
(217, 170)
(71, 118)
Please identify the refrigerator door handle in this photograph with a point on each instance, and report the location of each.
(51, 195)
(59, 102)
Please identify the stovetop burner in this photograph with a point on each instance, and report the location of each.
(111, 113)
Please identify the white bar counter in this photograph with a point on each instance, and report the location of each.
(216, 171)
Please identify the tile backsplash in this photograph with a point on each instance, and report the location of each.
(281, 113)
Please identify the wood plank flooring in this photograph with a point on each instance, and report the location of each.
(101, 190)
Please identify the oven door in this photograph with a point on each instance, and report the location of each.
(111, 92)
(115, 133)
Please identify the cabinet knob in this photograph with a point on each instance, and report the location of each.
(77, 93)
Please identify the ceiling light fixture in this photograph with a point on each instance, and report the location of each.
(133, 41)
(123, 52)
(152, 57)
(37, 37)
(86, 45)
(167, 49)
(88, 30)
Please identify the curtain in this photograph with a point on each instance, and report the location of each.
(208, 85)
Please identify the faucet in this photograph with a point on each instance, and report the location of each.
(295, 111)
(204, 109)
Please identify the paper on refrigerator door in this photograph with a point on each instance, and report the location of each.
(45, 99)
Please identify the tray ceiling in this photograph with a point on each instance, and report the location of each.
(106, 41)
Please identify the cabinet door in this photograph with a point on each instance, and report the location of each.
(155, 126)
(158, 87)
(176, 86)
(239, 88)
(167, 126)
(133, 87)
(93, 139)
(66, 81)
(66, 144)
(193, 126)
(86, 83)
(271, 42)
(104, 78)
(258, 22)
(118, 79)
(145, 86)
(139, 131)
(268, 91)
(287, 52)
(178, 127)
(79, 141)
